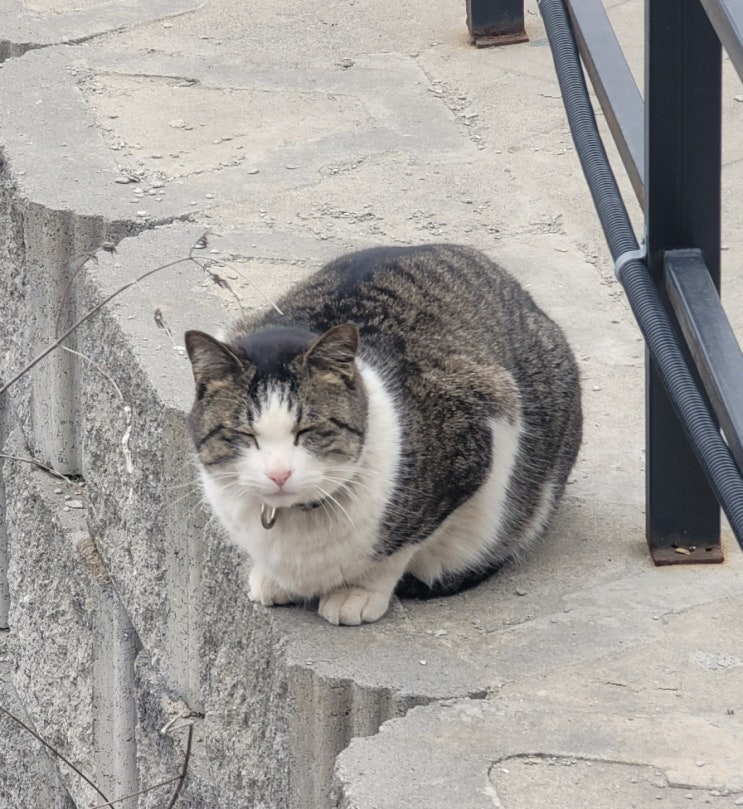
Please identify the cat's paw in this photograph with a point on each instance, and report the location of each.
(264, 590)
(352, 606)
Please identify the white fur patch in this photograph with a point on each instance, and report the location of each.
(470, 533)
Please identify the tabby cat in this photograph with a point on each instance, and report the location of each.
(408, 423)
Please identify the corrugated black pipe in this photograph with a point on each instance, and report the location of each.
(650, 313)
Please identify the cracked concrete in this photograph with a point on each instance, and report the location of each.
(291, 132)
(520, 753)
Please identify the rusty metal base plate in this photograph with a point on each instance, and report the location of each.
(678, 554)
(482, 41)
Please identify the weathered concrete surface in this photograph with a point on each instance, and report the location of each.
(26, 24)
(28, 776)
(520, 754)
(66, 650)
(290, 132)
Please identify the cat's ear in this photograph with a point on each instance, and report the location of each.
(210, 359)
(335, 350)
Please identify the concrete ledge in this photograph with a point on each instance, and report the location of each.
(315, 687)
(340, 126)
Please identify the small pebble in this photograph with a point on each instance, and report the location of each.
(423, 662)
(520, 592)
(58, 491)
(74, 504)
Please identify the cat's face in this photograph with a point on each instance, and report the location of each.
(280, 413)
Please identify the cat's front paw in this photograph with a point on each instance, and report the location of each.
(264, 590)
(352, 606)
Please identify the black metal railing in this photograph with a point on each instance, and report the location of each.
(670, 145)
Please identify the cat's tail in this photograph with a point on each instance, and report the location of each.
(411, 587)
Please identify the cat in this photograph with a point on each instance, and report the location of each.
(408, 423)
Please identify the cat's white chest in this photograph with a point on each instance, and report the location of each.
(307, 552)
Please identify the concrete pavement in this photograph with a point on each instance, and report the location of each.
(291, 132)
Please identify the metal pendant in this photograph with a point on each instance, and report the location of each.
(268, 516)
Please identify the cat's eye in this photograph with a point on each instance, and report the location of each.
(304, 431)
(315, 432)
(243, 438)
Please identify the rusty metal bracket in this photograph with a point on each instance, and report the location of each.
(682, 554)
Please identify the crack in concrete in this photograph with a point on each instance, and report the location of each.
(572, 759)
(13, 50)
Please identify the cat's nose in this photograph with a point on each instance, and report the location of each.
(279, 477)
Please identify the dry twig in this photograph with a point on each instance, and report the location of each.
(56, 343)
(56, 752)
(39, 465)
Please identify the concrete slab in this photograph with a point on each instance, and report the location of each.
(30, 24)
(291, 132)
(520, 754)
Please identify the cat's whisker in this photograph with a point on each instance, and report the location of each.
(170, 487)
(196, 490)
(190, 493)
(350, 489)
(349, 486)
(331, 499)
(358, 472)
(173, 503)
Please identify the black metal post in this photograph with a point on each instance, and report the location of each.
(682, 210)
(496, 22)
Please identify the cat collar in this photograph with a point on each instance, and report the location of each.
(269, 514)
